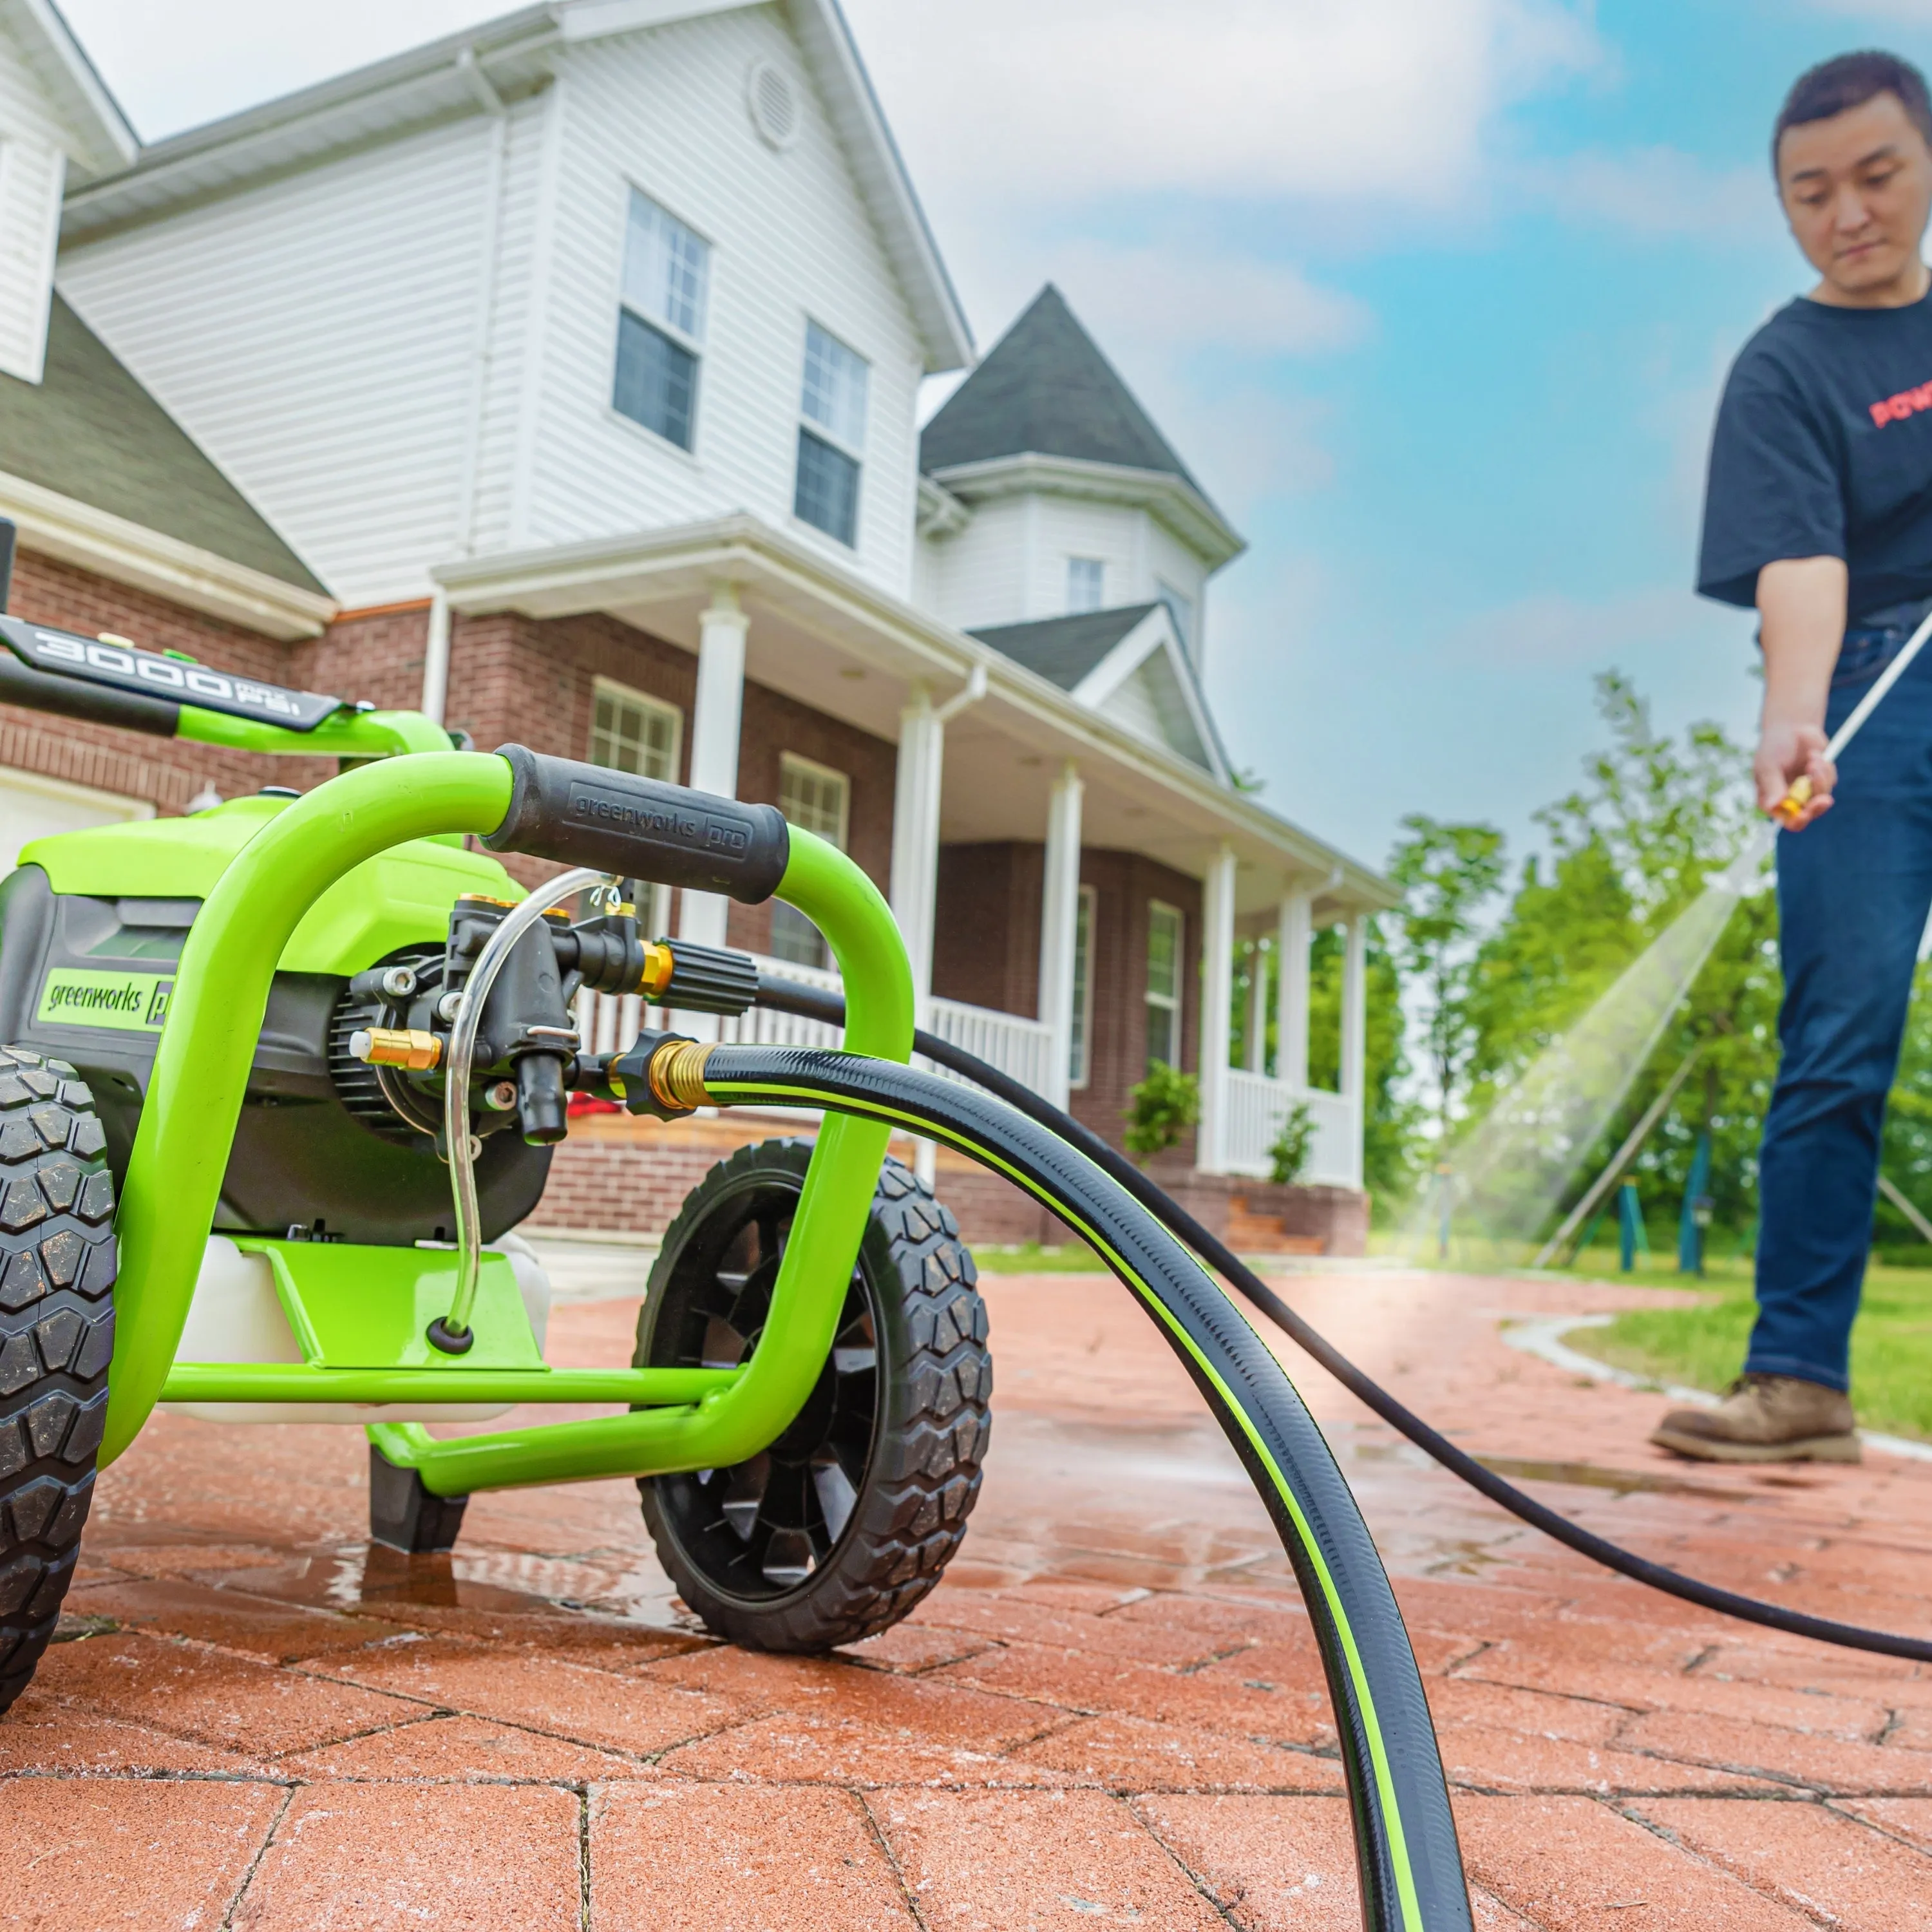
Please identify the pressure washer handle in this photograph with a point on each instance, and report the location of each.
(637, 828)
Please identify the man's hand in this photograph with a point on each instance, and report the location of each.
(1786, 753)
(1801, 602)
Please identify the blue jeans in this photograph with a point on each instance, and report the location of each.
(1853, 891)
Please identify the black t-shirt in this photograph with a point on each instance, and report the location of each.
(1823, 448)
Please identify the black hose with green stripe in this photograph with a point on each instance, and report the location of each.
(1406, 1853)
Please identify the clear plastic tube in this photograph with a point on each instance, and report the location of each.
(470, 1002)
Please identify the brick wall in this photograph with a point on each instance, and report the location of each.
(166, 773)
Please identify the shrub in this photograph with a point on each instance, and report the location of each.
(1161, 1109)
(1288, 1152)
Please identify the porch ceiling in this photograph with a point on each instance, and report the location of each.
(822, 635)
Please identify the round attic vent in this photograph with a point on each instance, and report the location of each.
(773, 101)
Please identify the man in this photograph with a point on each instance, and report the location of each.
(1819, 513)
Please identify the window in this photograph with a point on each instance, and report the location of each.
(1181, 609)
(1080, 1058)
(1086, 583)
(634, 734)
(814, 798)
(832, 439)
(1163, 983)
(661, 324)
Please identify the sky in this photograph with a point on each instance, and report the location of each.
(1435, 297)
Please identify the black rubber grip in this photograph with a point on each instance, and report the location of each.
(91, 703)
(704, 979)
(591, 815)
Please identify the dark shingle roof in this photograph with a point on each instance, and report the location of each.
(1064, 649)
(88, 430)
(1046, 389)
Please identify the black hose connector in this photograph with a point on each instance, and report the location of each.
(707, 979)
(581, 815)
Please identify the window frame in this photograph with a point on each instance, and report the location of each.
(1098, 565)
(672, 332)
(627, 693)
(810, 426)
(1086, 915)
(1171, 1003)
(789, 763)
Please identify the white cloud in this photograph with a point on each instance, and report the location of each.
(1654, 191)
(1188, 298)
(1347, 100)
(1553, 631)
(174, 64)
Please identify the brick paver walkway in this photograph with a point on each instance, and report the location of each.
(1110, 1712)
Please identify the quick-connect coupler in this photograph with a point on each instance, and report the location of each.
(662, 1075)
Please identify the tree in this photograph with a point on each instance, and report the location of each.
(1446, 873)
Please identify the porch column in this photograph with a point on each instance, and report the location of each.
(1059, 908)
(915, 875)
(714, 740)
(1290, 1009)
(1355, 1038)
(1217, 994)
(1257, 1026)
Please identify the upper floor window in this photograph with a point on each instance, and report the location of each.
(817, 798)
(1086, 583)
(661, 324)
(1181, 608)
(1081, 1058)
(831, 438)
(1163, 983)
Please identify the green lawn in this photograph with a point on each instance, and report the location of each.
(1704, 1346)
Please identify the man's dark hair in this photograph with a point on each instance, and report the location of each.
(1848, 81)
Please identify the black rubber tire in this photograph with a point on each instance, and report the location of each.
(57, 1264)
(919, 1429)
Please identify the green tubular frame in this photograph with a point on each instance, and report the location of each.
(201, 1071)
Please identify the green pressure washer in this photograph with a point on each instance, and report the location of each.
(279, 1078)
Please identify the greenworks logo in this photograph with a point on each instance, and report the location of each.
(132, 1002)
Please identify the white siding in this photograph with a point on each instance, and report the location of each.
(34, 141)
(316, 334)
(789, 239)
(1150, 704)
(1009, 564)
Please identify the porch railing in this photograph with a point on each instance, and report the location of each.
(1256, 1108)
(1020, 1048)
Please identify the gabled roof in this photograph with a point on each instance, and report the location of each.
(1046, 389)
(1064, 649)
(87, 431)
(456, 75)
(1129, 665)
(102, 141)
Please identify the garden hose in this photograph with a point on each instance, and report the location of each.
(810, 1003)
(1406, 1854)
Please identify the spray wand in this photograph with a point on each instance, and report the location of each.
(1789, 808)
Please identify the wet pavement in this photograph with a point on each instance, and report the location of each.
(1110, 1711)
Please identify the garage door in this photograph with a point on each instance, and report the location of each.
(32, 807)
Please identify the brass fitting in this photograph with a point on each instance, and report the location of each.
(677, 1074)
(396, 1046)
(659, 964)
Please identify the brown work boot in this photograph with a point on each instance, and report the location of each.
(1765, 1419)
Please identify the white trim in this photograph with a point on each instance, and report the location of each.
(1172, 499)
(871, 625)
(1155, 632)
(1176, 1002)
(74, 532)
(108, 143)
(1086, 898)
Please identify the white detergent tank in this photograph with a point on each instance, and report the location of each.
(236, 1316)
